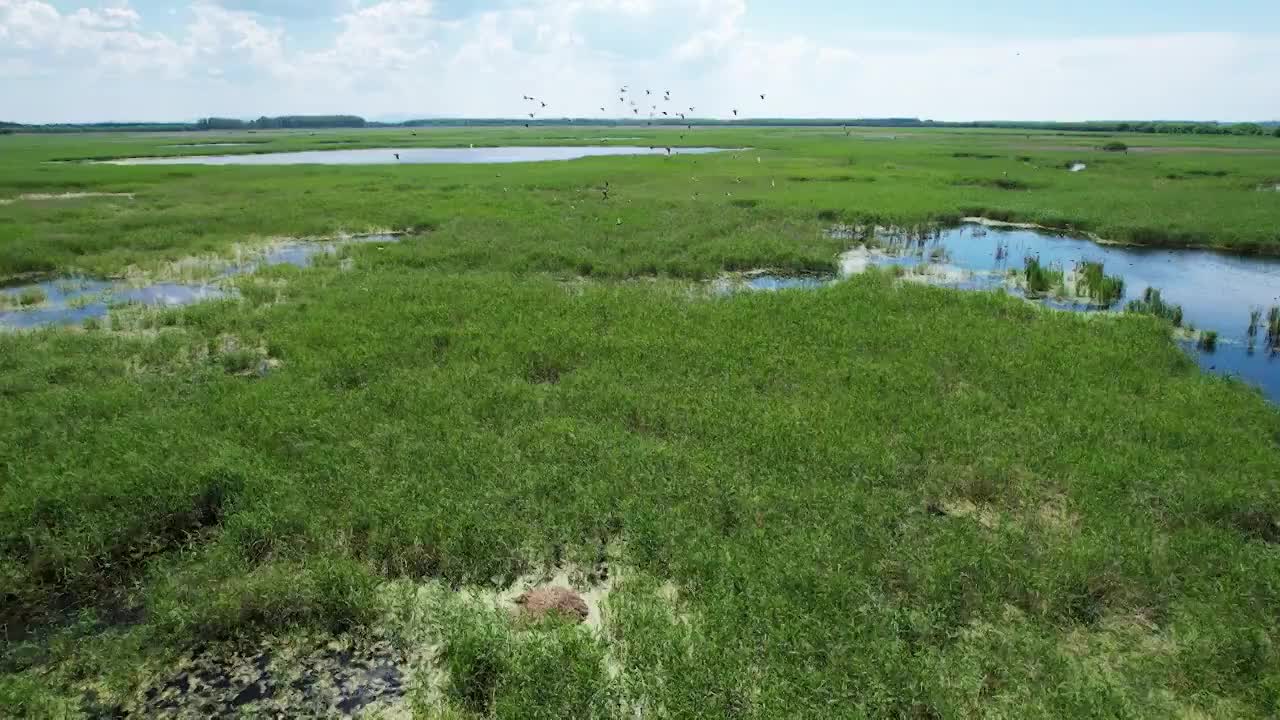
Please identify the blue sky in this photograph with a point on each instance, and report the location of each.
(81, 60)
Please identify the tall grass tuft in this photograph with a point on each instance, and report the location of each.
(1208, 341)
(1255, 319)
(1273, 327)
(1040, 278)
(31, 296)
(1103, 288)
(1153, 304)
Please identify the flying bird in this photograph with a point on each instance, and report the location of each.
(397, 156)
(601, 109)
(544, 104)
(761, 96)
(646, 92)
(735, 112)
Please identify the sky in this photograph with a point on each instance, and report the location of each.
(125, 60)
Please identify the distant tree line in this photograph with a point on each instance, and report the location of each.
(263, 123)
(285, 122)
(315, 122)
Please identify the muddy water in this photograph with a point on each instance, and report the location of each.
(73, 300)
(414, 156)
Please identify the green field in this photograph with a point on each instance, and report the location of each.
(871, 500)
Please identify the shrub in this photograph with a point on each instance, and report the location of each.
(1115, 147)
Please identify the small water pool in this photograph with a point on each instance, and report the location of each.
(416, 156)
(1216, 290)
(73, 300)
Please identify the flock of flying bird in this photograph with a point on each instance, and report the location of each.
(628, 100)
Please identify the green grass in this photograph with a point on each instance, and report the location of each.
(30, 296)
(871, 500)
(1153, 304)
(1041, 279)
(551, 216)
(1098, 286)
(1208, 341)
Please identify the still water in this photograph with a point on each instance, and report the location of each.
(73, 300)
(1216, 290)
(415, 156)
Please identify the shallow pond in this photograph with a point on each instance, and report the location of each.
(414, 156)
(72, 301)
(1216, 290)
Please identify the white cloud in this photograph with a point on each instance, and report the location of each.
(430, 57)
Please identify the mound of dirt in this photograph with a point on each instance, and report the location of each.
(540, 602)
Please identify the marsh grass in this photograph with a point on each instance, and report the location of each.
(550, 214)
(1153, 304)
(1255, 320)
(1273, 327)
(1208, 341)
(453, 414)
(30, 296)
(1041, 279)
(1100, 287)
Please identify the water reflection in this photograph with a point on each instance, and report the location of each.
(415, 156)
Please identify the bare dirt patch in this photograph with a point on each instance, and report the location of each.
(541, 602)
